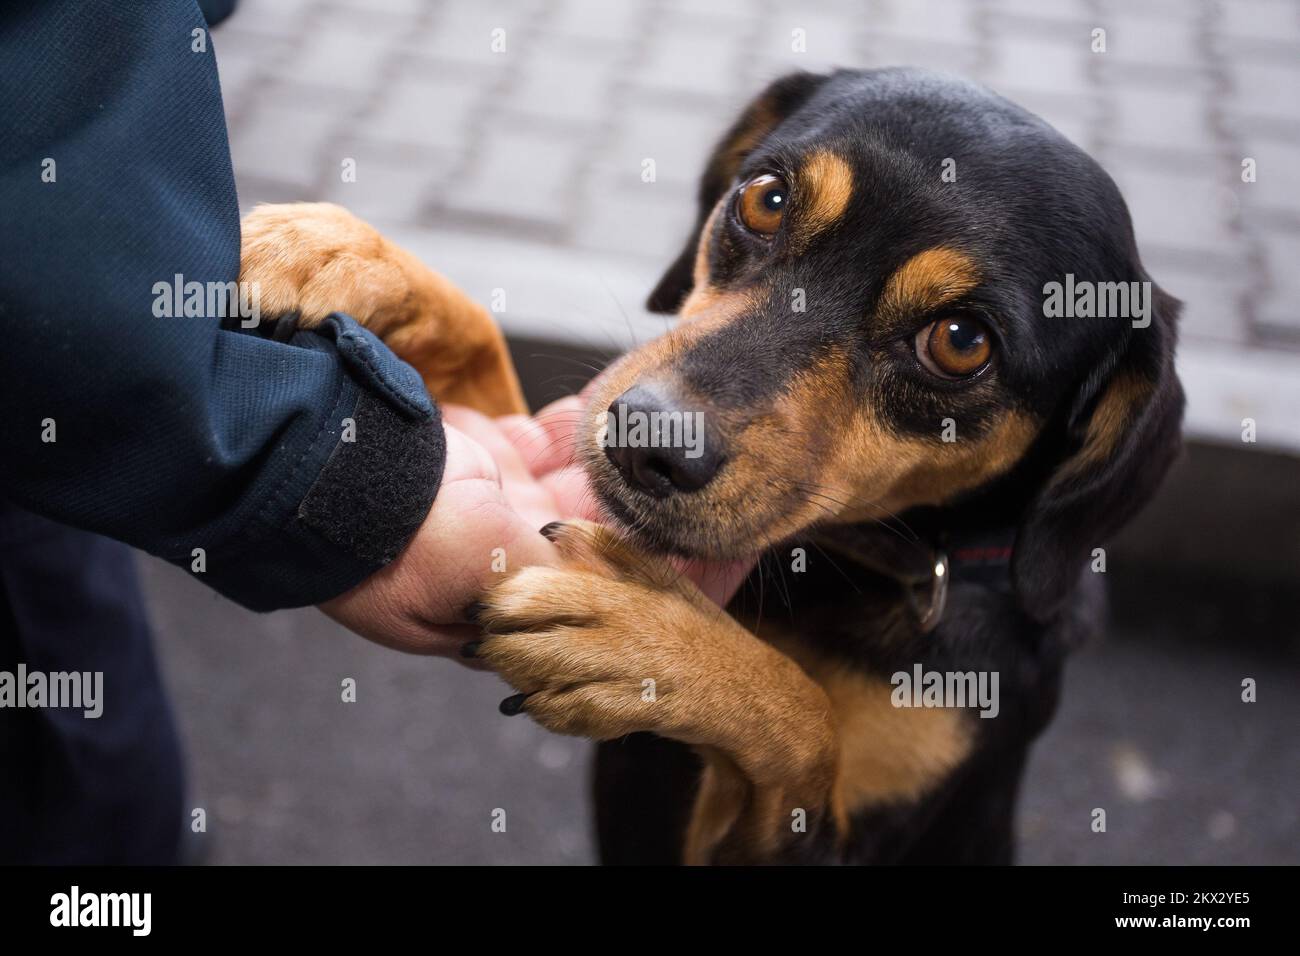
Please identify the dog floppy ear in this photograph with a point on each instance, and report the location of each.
(764, 114)
(1123, 433)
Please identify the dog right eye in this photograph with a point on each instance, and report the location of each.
(761, 204)
(956, 346)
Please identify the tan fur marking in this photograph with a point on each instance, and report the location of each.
(928, 280)
(702, 296)
(1114, 413)
(789, 441)
(718, 802)
(890, 754)
(938, 472)
(875, 471)
(754, 125)
(824, 187)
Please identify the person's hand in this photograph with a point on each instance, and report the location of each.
(505, 479)
(487, 501)
(541, 475)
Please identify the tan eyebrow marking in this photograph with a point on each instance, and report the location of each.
(826, 181)
(754, 126)
(928, 280)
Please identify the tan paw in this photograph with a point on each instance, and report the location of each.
(614, 641)
(317, 258)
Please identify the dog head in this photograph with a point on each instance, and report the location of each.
(901, 291)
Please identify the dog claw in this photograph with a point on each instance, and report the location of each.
(513, 705)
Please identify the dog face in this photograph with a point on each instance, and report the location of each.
(867, 327)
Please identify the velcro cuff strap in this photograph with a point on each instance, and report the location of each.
(376, 489)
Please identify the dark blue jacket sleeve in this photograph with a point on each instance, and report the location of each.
(281, 473)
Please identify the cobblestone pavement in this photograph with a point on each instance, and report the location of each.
(521, 170)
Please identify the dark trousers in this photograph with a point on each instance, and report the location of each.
(75, 789)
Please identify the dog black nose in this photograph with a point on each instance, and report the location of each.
(658, 446)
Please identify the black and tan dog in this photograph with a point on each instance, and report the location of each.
(928, 458)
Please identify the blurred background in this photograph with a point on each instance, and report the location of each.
(521, 171)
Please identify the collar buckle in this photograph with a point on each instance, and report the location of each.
(929, 607)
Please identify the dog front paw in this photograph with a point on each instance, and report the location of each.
(312, 259)
(316, 258)
(612, 642)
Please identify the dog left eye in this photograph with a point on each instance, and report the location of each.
(761, 204)
(955, 346)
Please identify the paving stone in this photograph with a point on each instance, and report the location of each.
(1212, 307)
(521, 179)
(1060, 9)
(824, 42)
(1172, 10)
(1280, 302)
(429, 110)
(285, 18)
(1159, 118)
(1071, 31)
(280, 141)
(1266, 92)
(935, 21)
(397, 8)
(340, 56)
(1032, 66)
(360, 17)
(1176, 211)
(242, 63)
(575, 92)
(907, 51)
(392, 183)
(733, 11)
(1234, 49)
(1198, 77)
(650, 220)
(463, 32)
(1135, 36)
(1277, 177)
(1270, 20)
(691, 61)
(1153, 47)
(598, 20)
(678, 141)
(563, 49)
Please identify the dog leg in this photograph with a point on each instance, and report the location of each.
(317, 258)
(616, 642)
